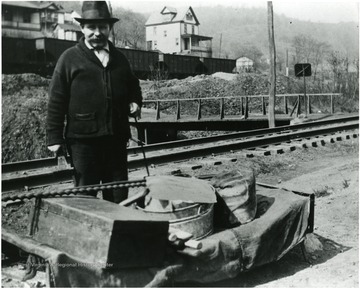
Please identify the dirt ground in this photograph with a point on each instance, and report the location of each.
(332, 173)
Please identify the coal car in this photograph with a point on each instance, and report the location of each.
(40, 56)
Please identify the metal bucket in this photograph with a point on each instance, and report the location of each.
(199, 225)
(194, 218)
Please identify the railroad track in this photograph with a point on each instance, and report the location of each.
(43, 172)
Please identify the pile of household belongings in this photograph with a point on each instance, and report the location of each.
(234, 226)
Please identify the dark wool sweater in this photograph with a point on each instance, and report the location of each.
(92, 100)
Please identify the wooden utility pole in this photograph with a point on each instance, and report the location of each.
(272, 77)
(287, 82)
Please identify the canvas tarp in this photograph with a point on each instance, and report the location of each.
(280, 224)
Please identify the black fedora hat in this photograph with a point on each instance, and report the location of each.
(94, 11)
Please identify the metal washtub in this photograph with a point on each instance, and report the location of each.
(194, 218)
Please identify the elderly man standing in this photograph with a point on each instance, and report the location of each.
(92, 93)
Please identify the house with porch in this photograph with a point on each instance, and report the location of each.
(176, 31)
(37, 19)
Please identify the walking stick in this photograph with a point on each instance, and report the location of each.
(139, 142)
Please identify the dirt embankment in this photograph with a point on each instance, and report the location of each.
(24, 101)
(24, 104)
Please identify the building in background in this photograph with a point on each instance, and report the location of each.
(177, 32)
(37, 19)
(244, 64)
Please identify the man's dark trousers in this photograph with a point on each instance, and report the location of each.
(100, 160)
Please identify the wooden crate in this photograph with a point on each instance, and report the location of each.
(101, 233)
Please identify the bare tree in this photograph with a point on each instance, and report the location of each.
(130, 30)
(337, 65)
(310, 50)
(301, 45)
(320, 49)
(345, 78)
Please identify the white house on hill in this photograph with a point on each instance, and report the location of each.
(177, 31)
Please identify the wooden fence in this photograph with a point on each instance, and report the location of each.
(301, 102)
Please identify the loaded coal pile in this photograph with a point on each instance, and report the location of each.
(214, 86)
(24, 101)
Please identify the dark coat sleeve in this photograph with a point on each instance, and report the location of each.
(136, 95)
(59, 92)
(134, 83)
(135, 89)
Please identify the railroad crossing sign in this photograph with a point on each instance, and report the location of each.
(302, 69)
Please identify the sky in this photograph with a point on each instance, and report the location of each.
(330, 11)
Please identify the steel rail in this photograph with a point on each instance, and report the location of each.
(53, 162)
(19, 181)
(244, 134)
(238, 145)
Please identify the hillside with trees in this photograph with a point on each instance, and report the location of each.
(243, 31)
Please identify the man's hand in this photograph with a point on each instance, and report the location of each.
(134, 109)
(54, 148)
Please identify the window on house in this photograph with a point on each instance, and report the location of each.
(154, 30)
(185, 29)
(7, 15)
(165, 33)
(149, 45)
(193, 29)
(186, 44)
(26, 16)
(54, 17)
(189, 16)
